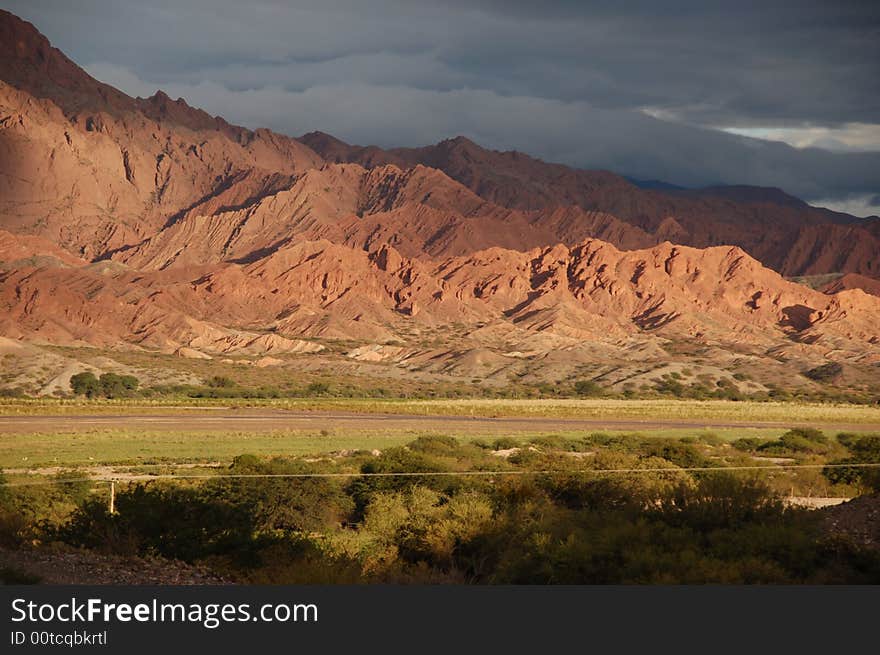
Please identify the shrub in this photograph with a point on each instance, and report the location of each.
(576, 491)
(317, 389)
(435, 445)
(398, 460)
(747, 444)
(719, 501)
(798, 440)
(504, 443)
(587, 389)
(221, 382)
(710, 439)
(180, 523)
(553, 442)
(681, 454)
(863, 450)
(671, 387)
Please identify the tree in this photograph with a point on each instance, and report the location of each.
(118, 386)
(109, 385)
(85, 384)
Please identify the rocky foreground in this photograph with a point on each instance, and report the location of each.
(66, 566)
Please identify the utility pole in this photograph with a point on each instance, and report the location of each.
(112, 497)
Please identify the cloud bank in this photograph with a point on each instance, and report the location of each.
(673, 91)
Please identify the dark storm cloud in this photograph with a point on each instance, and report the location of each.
(570, 81)
(738, 63)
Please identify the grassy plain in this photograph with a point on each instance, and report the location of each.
(91, 432)
(94, 447)
(593, 486)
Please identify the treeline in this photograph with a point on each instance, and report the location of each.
(563, 527)
(113, 386)
(109, 385)
(671, 385)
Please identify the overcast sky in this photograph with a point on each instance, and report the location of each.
(771, 93)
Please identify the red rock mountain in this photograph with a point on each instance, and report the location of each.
(778, 229)
(853, 281)
(131, 222)
(92, 169)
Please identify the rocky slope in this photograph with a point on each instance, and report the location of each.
(778, 229)
(853, 281)
(420, 211)
(93, 170)
(591, 291)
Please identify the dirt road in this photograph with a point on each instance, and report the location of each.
(270, 420)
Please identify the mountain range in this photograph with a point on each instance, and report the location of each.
(147, 224)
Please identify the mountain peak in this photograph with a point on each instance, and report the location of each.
(460, 143)
(163, 102)
(20, 39)
(161, 107)
(160, 97)
(318, 137)
(29, 62)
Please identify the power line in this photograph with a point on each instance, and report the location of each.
(415, 474)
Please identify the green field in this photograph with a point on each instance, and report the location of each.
(98, 432)
(90, 448)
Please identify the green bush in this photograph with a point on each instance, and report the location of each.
(798, 440)
(747, 444)
(317, 389)
(574, 522)
(399, 460)
(179, 522)
(435, 445)
(681, 454)
(505, 443)
(300, 505)
(719, 500)
(221, 382)
(863, 450)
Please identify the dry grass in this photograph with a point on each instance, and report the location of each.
(716, 410)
